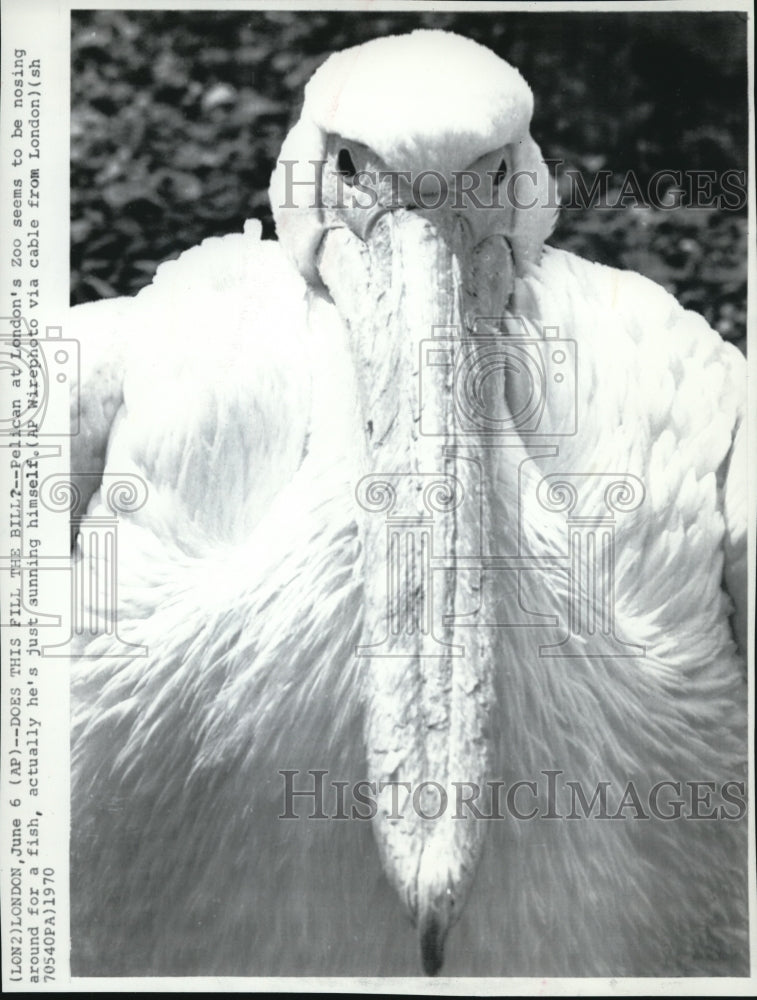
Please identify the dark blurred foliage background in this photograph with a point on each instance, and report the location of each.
(177, 120)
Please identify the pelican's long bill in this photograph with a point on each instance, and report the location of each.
(416, 244)
(428, 705)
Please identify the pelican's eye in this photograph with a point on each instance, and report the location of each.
(346, 165)
(498, 175)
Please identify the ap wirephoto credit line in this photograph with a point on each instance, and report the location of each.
(378, 526)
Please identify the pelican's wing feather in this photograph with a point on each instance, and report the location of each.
(664, 398)
(735, 514)
(212, 334)
(102, 331)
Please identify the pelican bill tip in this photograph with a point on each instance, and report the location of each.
(432, 937)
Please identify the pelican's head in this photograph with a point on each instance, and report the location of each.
(411, 192)
(428, 121)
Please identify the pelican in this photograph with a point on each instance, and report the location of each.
(442, 542)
